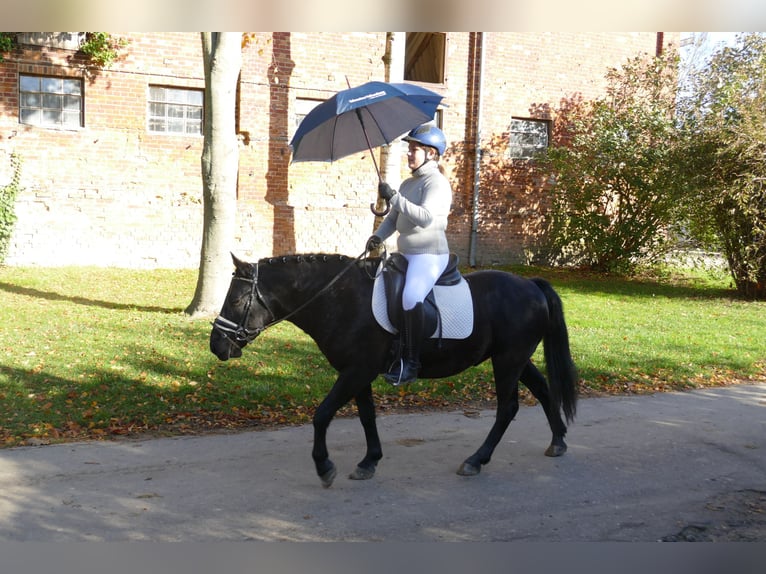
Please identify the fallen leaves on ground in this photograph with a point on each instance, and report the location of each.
(422, 397)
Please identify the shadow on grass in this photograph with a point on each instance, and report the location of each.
(147, 390)
(53, 296)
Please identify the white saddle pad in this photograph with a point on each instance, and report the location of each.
(454, 303)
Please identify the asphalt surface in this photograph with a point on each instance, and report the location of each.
(671, 466)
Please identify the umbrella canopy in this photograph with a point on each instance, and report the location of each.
(363, 117)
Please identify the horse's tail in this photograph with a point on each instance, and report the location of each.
(562, 373)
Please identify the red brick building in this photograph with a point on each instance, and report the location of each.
(111, 157)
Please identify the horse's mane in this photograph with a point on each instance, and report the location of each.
(304, 257)
(360, 261)
(335, 262)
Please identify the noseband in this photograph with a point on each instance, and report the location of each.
(238, 333)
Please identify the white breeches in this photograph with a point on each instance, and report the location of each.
(423, 270)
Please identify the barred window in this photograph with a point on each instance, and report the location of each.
(175, 110)
(527, 137)
(50, 101)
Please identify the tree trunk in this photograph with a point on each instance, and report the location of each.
(222, 54)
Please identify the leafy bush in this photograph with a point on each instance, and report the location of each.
(724, 131)
(8, 194)
(7, 43)
(101, 47)
(612, 159)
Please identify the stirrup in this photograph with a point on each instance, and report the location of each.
(394, 376)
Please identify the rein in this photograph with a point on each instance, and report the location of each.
(239, 334)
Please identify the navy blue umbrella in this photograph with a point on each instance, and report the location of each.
(363, 117)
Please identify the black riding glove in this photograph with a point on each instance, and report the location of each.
(385, 191)
(373, 243)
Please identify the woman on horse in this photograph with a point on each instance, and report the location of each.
(419, 212)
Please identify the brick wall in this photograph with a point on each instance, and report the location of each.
(112, 193)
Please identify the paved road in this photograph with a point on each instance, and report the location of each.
(669, 466)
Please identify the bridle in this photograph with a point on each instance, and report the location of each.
(238, 333)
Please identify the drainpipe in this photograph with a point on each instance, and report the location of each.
(477, 160)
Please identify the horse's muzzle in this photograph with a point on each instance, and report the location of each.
(223, 348)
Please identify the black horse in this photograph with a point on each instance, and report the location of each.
(328, 297)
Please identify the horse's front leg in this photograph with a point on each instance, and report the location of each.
(322, 417)
(366, 407)
(345, 388)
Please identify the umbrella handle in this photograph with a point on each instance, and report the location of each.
(381, 213)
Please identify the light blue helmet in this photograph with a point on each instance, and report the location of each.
(430, 135)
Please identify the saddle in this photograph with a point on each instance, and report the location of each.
(394, 273)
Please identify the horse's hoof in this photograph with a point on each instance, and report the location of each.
(362, 473)
(328, 477)
(467, 469)
(556, 450)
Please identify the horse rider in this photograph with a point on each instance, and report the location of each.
(419, 212)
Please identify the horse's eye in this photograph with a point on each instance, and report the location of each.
(241, 300)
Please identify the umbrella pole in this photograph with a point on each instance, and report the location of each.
(377, 170)
(374, 161)
(369, 146)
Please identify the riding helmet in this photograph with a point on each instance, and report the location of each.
(428, 134)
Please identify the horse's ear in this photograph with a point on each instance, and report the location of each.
(241, 266)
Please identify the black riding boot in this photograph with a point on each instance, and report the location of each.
(406, 369)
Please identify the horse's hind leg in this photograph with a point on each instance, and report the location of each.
(534, 380)
(366, 408)
(507, 385)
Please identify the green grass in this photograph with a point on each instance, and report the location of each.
(93, 353)
(675, 333)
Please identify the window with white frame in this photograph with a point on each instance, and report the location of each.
(302, 107)
(50, 101)
(175, 110)
(527, 137)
